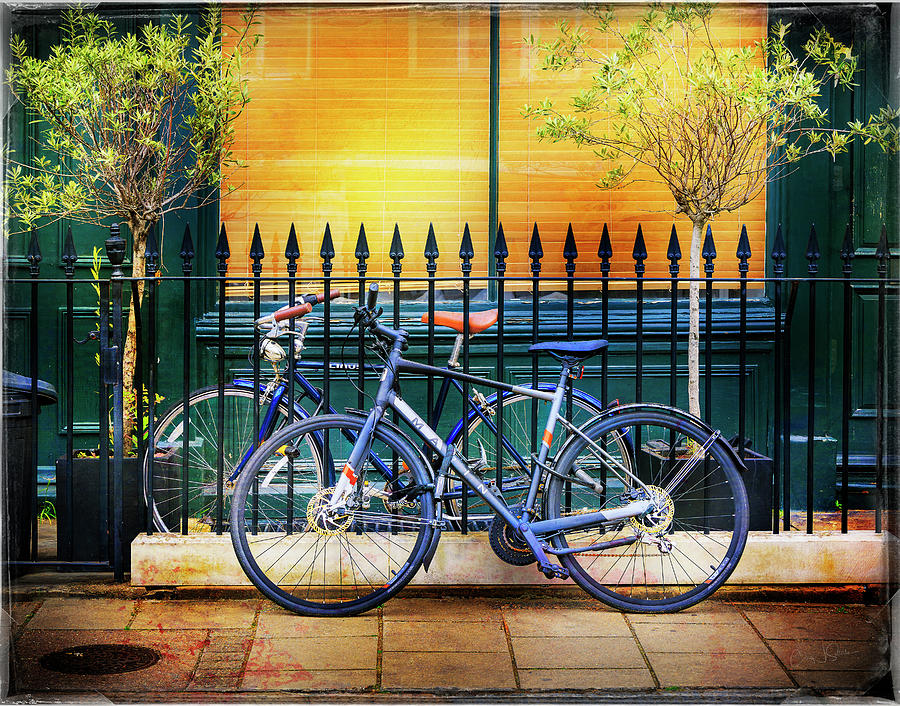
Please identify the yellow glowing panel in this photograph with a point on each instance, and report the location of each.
(363, 115)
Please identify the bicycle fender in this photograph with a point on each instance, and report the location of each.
(432, 546)
(406, 437)
(664, 409)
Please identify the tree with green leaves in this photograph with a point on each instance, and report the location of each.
(713, 124)
(132, 126)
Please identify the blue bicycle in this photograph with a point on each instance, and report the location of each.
(181, 482)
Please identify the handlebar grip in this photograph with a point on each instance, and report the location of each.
(372, 299)
(333, 294)
(292, 312)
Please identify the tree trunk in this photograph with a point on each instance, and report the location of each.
(694, 323)
(139, 230)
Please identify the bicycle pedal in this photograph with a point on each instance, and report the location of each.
(554, 571)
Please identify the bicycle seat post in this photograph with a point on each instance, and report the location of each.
(453, 360)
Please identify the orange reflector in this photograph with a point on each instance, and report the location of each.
(351, 475)
(548, 437)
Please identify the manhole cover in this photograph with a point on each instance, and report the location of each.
(100, 659)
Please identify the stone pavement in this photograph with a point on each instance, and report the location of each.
(455, 645)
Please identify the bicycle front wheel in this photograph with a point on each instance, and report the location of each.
(176, 497)
(685, 546)
(323, 561)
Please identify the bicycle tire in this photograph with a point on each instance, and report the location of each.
(515, 479)
(375, 548)
(204, 444)
(703, 518)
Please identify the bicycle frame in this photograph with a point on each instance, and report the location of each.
(388, 397)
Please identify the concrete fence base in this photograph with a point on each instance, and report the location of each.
(791, 558)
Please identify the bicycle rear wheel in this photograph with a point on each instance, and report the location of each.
(319, 562)
(165, 475)
(690, 541)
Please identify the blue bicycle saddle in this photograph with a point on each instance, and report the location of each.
(573, 350)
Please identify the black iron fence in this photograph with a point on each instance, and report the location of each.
(776, 320)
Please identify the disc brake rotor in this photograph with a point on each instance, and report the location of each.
(658, 520)
(323, 521)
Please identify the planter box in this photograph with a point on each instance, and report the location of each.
(89, 540)
(757, 480)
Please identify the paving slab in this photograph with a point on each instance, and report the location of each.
(310, 653)
(180, 651)
(187, 615)
(19, 612)
(441, 608)
(83, 614)
(818, 623)
(541, 621)
(699, 637)
(447, 670)
(314, 680)
(431, 636)
(829, 655)
(710, 611)
(283, 623)
(553, 679)
(576, 652)
(836, 680)
(718, 670)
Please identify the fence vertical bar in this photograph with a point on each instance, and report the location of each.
(257, 254)
(187, 266)
(361, 252)
(639, 254)
(708, 253)
(673, 253)
(501, 252)
(812, 255)
(69, 258)
(882, 253)
(222, 254)
(847, 255)
(151, 267)
(535, 253)
(570, 254)
(466, 253)
(34, 267)
(604, 252)
(292, 253)
(103, 486)
(326, 252)
(786, 422)
(778, 254)
(396, 254)
(743, 254)
(431, 254)
(115, 253)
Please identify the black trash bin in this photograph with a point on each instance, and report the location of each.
(19, 426)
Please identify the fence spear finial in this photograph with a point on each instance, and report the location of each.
(812, 250)
(257, 252)
(709, 250)
(326, 252)
(431, 250)
(34, 256)
(639, 252)
(69, 256)
(848, 252)
(187, 250)
(151, 252)
(673, 252)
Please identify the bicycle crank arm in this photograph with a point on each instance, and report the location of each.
(623, 542)
(587, 519)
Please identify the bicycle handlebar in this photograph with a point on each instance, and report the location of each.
(298, 309)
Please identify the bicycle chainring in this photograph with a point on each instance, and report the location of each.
(508, 545)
